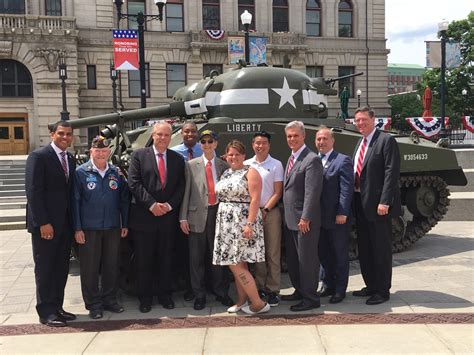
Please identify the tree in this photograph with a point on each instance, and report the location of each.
(404, 105)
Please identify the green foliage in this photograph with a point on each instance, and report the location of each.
(404, 105)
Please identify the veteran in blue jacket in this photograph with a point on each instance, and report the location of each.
(100, 206)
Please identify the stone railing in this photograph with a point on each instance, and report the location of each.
(40, 22)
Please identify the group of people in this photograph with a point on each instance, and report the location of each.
(223, 213)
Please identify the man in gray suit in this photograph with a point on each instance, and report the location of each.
(198, 220)
(301, 197)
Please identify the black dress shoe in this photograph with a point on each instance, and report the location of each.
(337, 297)
(167, 302)
(377, 299)
(96, 314)
(114, 308)
(65, 316)
(189, 295)
(225, 300)
(199, 303)
(144, 307)
(364, 292)
(304, 305)
(326, 291)
(53, 321)
(295, 296)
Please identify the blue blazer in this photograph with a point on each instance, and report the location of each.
(338, 188)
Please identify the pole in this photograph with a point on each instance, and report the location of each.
(141, 53)
(443, 79)
(114, 90)
(64, 112)
(358, 100)
(247, 44)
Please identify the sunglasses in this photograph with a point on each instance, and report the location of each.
(208, 141)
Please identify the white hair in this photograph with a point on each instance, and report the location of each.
(295, 124)
(162, 123)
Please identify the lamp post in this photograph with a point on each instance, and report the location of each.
(246, 19)
(113, 76)
(443, 27)
(141, 18)
(63, 77)
(359, 92)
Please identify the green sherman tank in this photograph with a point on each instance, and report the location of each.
(248, 99)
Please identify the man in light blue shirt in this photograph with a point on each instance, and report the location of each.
(190, 148)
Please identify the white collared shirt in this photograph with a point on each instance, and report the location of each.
(101, 172)
(271, 171)
(356, 158)
(213, 168)
(58, 152)
(298, 152)
(326, 157)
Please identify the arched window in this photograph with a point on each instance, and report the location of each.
(248, 5)
(313, 18)
(211, 15)
(280, 16)
(345, 18)
(15, 79)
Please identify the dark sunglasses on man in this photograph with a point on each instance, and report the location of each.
(208, 141)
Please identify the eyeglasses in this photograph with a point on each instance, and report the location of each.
(208, 141)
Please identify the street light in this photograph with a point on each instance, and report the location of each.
(113, 76)
(443, 27)
(63, 77)
(246, 19)
(464, 92)
(141, 18)
(359, 92)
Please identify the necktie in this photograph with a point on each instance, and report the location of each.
(290, 164)
(211, 197)
(322, 156)
(64, 164)
(190, 153)
(360, 161)
(162, 170)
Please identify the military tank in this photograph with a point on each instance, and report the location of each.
(244, 100)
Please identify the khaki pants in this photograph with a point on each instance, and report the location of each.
(267, 273)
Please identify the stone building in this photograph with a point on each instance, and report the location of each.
(323, 37)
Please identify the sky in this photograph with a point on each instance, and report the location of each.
(409, 23)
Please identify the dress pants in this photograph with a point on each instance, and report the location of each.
(374, 240)
(51, 259)
(334, 256)
(267, 273)
(100, 255)
(199, 244)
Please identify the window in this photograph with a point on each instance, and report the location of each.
(345, 18)
(314, 71)
(91, 77)
(313, 18)
(134, 82)
(134, 7)
(15, 79)
(12, 7)
(175, 77)
(349, 82)
(248, 5)
(211, 15)
(174, 16)
(207, 68)
(280, 16)
(53, 7)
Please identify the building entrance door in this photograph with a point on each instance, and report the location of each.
(13, 136)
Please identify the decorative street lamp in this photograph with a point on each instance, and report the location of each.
(113, 76)
(141, 18)
(359, 92)
(63, 77)
(443, 27)
(246, 19)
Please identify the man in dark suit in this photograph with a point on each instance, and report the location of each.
(376, 202)
(156, 180)
(336, 199)
(49, 181)
(301, 197)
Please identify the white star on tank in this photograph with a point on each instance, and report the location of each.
(286, 94)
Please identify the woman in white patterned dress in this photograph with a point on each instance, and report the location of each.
(239, 227)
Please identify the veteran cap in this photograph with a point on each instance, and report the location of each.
(208, 132)
(100, 142)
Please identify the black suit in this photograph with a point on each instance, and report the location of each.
(48, 193)
(378, 185)
(154, 236)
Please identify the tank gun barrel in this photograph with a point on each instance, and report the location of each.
(333, 80)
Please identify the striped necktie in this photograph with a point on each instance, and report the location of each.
(64, 164)
(291, 162)
(360, 161)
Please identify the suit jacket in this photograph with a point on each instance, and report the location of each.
(194, 205)
(48, 192)
(338, 188)
(302, 190)
(146, 187)
(379, 176)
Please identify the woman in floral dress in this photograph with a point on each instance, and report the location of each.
(239, 227)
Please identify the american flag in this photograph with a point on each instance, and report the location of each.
(125, 34)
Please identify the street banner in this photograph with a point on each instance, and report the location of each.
(236, 49)
(453, 55)
(258, 50)
(433, 54)
(125, 49)
(468, 123)
(427, 127)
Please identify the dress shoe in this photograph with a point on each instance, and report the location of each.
(188, 295)
(295, 296)
(53, 321)
(337, 297)
(225, 300)
(167, 302)
(96, 314)
(144, 307)
(235, 308)
(199, 303)
(304, 305)
(264, 309)
(364, 292)
(65, 316)
(377, 298)
(326, 292)
(114, 308)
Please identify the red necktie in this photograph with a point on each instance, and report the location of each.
(290, 164)
(211, 197)
(64, 164)
(360, 161)
(162, 170)
(190, 153)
